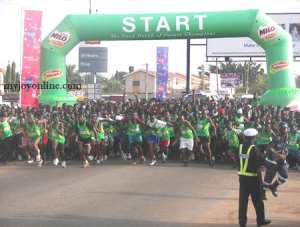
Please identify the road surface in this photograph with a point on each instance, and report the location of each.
(120, 194)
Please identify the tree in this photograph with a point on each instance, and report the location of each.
(7, 74)
(119, 75)
(73, 76)
(260, 85)
(249, 71)
(112, 86)
(13, 73)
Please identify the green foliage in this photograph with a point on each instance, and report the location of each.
(11, 76)
(73, 76)
(7, 76)
(251, 72)
(13, 73)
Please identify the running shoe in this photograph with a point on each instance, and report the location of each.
(40, 163)
(164, 157)
(86, 164)
(30, 161)
(55, 162)
(64, 164)
(153, 163)
(38, 158)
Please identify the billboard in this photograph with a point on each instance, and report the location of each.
(161, 72)
(246, 47)
(31, 57)
(93, 59)
(230, 80)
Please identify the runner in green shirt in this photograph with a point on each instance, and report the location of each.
(84, 138)
(5, 137)
(294, 147)
(33, 132)
(186, 134)
(232, 141)
(203, 125)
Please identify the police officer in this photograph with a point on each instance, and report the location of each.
(276, 160)
(250, 161)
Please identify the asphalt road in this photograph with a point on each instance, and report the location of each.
(120, 194)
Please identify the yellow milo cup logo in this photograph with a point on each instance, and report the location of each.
(279, 66)
(52, 74)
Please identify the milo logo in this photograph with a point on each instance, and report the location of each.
(52, 74)
(278, 66)
(58, 38)
(267, 32)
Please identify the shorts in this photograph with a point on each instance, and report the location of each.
(204, 139)
(85, 141)
(186, 144)
(25, 141)
(164, 143)
(135, 139)
(152, 139)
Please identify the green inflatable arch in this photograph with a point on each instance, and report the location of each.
(246, 23)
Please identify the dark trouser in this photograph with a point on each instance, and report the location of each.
(60, 150)
(16, 145)
(5, 149)
(250, 186)
(271, 171)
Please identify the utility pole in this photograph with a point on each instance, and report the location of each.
(217, 75)
(90, 8)
(146, 82)
(188, 64)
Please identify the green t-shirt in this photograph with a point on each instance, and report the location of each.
(171, 131)
(52, 132)
(239, 122)
(32, 131)
(232, 138)
(60, 139)
(100, 135)
(186, 132)
(164, 134)
(293, 141)
(83, 130)
(264, 138)
(5, 130)
(134, 129)
(202, 127)
(15, 126)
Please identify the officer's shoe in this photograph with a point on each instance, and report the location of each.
(263, 195)
(274, 191)
(265, 222)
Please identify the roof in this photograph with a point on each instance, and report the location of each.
(172, 75)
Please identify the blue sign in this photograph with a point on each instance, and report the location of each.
(161, 72)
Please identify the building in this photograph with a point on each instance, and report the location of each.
(136, 83)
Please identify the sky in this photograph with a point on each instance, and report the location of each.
(121, 54)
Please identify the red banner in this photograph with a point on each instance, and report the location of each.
(31, 57)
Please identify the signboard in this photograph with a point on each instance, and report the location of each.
(161, 72)
(246, 47)
(93, 59)
(31, 57)
(230, 80)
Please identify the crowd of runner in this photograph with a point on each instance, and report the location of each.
(142, 131)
